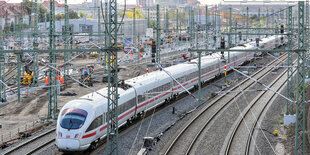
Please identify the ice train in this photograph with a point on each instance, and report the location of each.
(81, 122)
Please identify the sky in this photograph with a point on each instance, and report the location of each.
(120, 1)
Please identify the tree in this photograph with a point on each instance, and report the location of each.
(82, 14)
(59, 16)
(73, 15)
(130, 14)
(153, 24)
(27, 7)
(12, 27)
(254, 17)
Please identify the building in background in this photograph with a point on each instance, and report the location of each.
(145, 3)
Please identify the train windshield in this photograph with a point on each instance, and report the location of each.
(73, 118)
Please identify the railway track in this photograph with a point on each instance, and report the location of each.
(34, 144)
(186, 137)
(238, 140)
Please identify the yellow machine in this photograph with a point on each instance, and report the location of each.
(27, 78)
(93, 55)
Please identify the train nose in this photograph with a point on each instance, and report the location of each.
(68, 144)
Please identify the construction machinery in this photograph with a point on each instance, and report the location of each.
(28, 75)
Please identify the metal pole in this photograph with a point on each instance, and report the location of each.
(236, 34)
(66, 39)
(15, 20)
(300, 137)
(307, 35)
(99, 26)
(267, 19)
(229, 36)
(18, 77)
(148, 17)
(290, 84)
(207, 27)
(106, 32)
(35, 45)
(2, 74)
(112, 126)
(258, 24)
(21, 37)
(158, 35)
(199, 77)
(134, 27)
(177, 33)
(167, 21)
(247, 22)
(7, 26)
(52, 91)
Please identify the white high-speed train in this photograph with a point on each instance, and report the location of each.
(81, 122)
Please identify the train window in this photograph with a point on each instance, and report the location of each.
(141, 98)
(73, 118)
(126, 106)
(103, 118)
(95, 124)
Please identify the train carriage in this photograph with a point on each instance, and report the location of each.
(83, 121)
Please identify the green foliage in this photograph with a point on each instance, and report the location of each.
(153, 24)
(73, 15)
(59, 16)
(27, 7)
(130, 14)
(254, 17)
(82, 14)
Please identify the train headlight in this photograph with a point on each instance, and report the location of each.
(77, 136)
(59, 134)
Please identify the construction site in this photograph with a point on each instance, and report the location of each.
(154, 77)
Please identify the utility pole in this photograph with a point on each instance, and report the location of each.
(2, 74)
(35, 44)
(134, 27)
(52, 90)
(177, 30)
(112, 117)
(105, 33)
(7, 25)
(300, 136)
(148, 17)
(66, 40)
(307, 35)
(290, 84)
(258, 24)
(207, 27)
(247, 22)
(158, 35)
(229, 31)
(99, 27)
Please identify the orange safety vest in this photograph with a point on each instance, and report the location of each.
(46, 80)
(61, 78)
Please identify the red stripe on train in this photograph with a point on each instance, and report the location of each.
(89, 135)
(156, 98)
